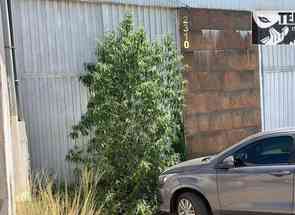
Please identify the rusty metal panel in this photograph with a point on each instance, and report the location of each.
(53, 40)
(222, 97)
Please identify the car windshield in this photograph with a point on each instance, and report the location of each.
(225, 150)
(235, 145)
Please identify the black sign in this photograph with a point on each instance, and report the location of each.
(273, 27)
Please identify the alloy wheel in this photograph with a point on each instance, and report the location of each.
(185, 207)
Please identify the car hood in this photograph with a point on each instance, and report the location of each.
(189, 165)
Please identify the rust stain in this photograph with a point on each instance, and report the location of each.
(222, 97)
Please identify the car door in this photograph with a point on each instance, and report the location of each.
(261, 181)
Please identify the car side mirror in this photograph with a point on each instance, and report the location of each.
(228, 163)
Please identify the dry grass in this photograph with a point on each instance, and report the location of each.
(48, 200)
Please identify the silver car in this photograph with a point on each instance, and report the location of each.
(256, 176)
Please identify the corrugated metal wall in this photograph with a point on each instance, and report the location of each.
(278, 88)
(53, 40)
(214, 4)
(55, 37)
(157, 3)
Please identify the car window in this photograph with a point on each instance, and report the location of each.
(269, 151)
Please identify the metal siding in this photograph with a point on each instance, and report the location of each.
(153, 3)
(212, 4)
(157, 22)
(278, 74)
(53, 40)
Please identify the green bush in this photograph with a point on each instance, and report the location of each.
(134, 116)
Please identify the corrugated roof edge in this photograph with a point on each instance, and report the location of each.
(151, 3)
(238, 5)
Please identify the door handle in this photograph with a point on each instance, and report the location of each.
(281, 173)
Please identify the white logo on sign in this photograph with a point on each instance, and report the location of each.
(267, 19)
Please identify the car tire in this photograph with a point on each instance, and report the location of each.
(190, 202)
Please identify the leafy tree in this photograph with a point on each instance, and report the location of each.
(133, 118)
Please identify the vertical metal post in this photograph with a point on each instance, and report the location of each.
(12, 56)
(9, 57)
(261, 79)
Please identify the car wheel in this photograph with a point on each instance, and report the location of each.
(190, 204)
